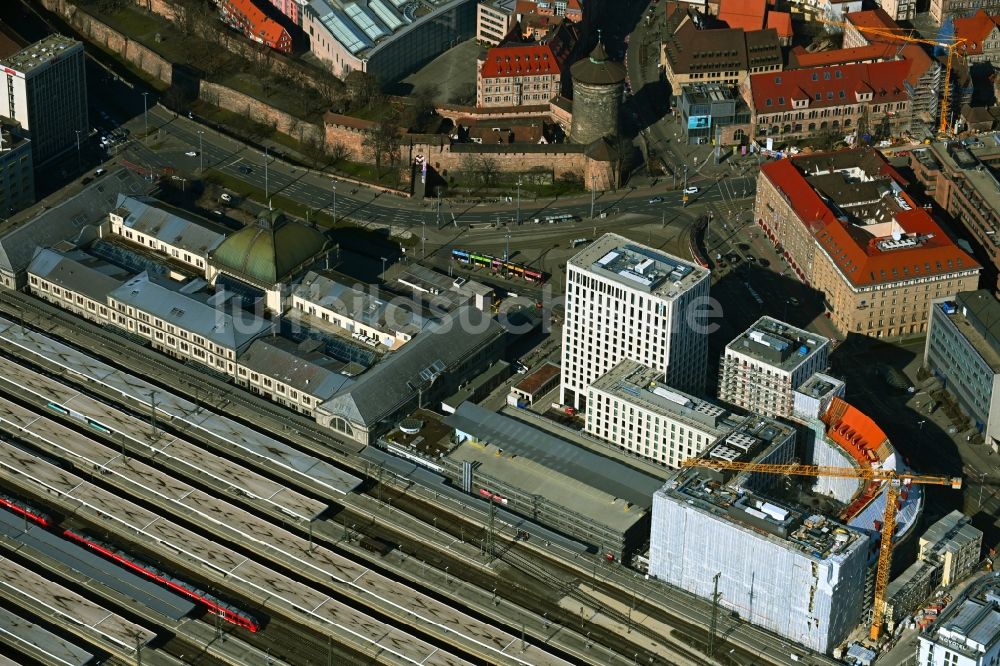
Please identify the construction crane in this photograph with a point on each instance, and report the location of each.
(904, 35)
(894, 479)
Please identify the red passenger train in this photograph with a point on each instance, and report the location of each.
(224, 610)
(227, 612)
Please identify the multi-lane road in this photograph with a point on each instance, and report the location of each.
(174, 136)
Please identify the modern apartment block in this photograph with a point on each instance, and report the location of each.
(632, 408)
(776, 565)
(628, 301)
(955, 543)
(848, 229)
(967, 632)
(761, 369)
(967, 189)
(46, 91)
(963, 351)
(494, 20)
(17, 175)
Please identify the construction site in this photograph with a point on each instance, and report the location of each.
(793, 532)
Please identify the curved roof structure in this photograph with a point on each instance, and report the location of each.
(861, 438)
(268, 252)
(597, 69)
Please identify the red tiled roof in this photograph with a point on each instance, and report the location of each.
(919, 61)
(860, 260)
(872, 18)
(746, 14)
(774, 91)
(800, 58)
(530, 60)
(974, 30)
(261, 25)
(780, 21)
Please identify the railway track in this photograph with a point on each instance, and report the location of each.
(317, 443)
(198, 511)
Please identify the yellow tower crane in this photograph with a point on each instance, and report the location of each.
(894, 479)
(903, 35)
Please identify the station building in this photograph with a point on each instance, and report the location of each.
(145, 222)
(357, 311)
(448, 352)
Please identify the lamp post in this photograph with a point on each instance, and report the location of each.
(517, 220)
(78, 164)
(593, 194)
(267, 195)
(334, 202)
(145, 117)
(201, 152)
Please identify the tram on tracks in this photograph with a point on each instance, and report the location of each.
(497, 265)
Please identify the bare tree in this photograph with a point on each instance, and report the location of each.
(381, 143)
(481, 168)
(362, 88)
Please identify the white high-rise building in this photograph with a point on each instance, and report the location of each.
(46, 91)
(761, 368)
(628, 301)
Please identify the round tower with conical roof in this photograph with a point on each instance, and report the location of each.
(597, 96)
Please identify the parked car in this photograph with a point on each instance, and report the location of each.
(227, 197)
(192, 153)
(100, 172)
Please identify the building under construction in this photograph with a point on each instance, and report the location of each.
(796, 573)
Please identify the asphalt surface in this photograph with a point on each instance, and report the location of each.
(316, 190)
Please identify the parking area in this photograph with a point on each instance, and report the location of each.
(453, 74)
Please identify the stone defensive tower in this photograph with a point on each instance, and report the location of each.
(597, 96)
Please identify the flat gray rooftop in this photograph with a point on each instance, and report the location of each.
(637, 384)
(638, 267)
(552, 456)
(776, 343)
(41, 52)
(977, 317)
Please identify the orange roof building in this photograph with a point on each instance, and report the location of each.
(847, 228)
(248, 18)
(514, 74)
(980, 32)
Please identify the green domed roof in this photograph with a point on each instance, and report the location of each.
(268, 252)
